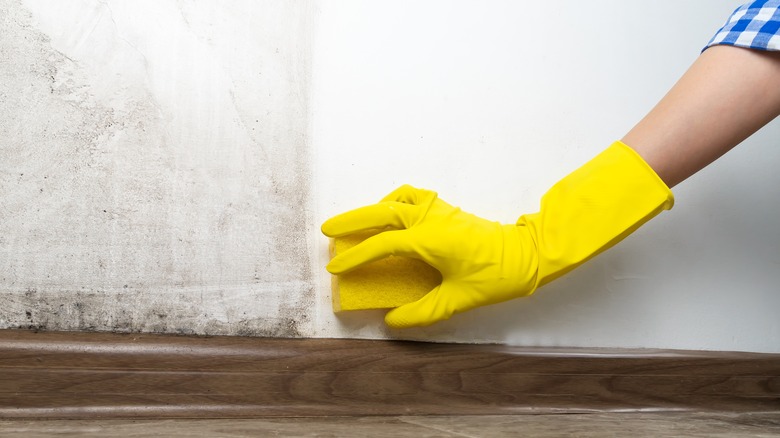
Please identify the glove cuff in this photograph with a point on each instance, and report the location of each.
(593, 208)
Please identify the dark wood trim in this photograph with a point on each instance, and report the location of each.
(78, 375)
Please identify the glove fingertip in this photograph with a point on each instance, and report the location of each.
(327, 229)
(421, 313)
(339, 265)
(400, 319)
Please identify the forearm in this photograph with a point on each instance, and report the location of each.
(726, 95)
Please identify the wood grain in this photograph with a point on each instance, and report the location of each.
(85, 375)
(596, 425)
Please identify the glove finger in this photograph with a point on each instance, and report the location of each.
(372, 249)
(435, 306)
(411, 195)
(376, 216)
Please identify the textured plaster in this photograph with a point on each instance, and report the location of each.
(154, 166)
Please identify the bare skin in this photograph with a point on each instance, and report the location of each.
(724, 97)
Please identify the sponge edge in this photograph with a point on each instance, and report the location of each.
(383, 284)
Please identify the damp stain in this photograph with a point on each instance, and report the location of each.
(115, 223)
(132, 312)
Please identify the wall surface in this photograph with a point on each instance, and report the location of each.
(165, 165)
(154, 166)
(490, 103)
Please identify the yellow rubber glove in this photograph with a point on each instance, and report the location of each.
(484, 262)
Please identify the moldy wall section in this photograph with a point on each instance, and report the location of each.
(154, 166)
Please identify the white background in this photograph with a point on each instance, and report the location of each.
(490, 103)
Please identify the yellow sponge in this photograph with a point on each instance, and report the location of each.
(383, 284)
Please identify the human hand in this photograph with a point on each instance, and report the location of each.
(481, 262)
(484, 262)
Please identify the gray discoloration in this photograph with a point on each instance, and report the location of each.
(133, 311)
(154, 188)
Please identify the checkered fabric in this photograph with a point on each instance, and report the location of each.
(754, 25)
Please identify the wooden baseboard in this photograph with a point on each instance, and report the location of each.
(86, 375)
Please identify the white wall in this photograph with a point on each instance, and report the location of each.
(165, 165)
(489, 103)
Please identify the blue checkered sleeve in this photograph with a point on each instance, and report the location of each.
(754, 25)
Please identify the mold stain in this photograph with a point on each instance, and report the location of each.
(113, 224)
